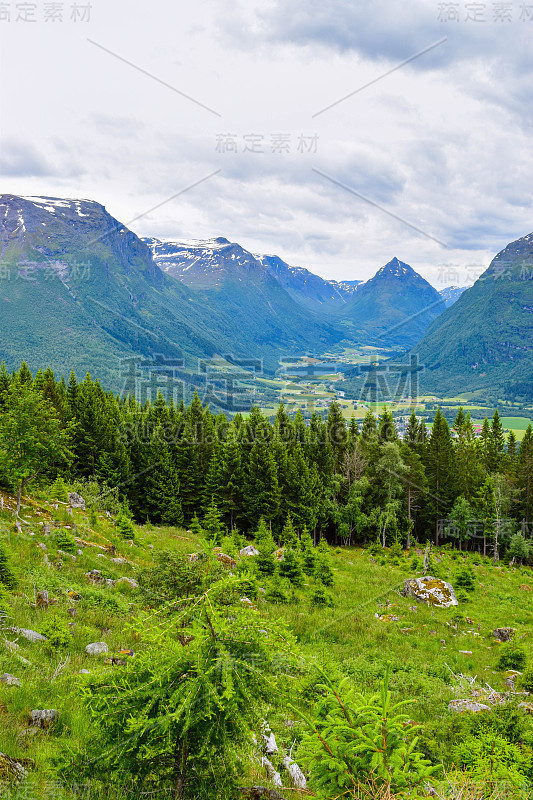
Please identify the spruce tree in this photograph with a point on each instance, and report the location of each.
(323, 573)
(212, 524)
(58, 490)
(289, 537)
(124, 525)
(265, 562)
(438, 461)
(525, 475)
(291, 567)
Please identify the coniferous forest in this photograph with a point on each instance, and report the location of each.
(347, 483)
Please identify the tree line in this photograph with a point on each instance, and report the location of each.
(348, 482)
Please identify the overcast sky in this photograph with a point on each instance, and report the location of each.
(431, 163)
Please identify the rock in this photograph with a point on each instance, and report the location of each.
(130, 581)
(46, 529)
(279, 554)
(526, 707)
(193, 557)
(504, 634)
(249, 551)
(105, 631)
(100, 555)
(467, 705)
(43, 718)
(42, 599)
(260, 793)
(387, 617)
(119, 560)
(42, 545)
(79, 552)
(84, 672)
(297, 776)
(31, 636)
(466, 652)
(432, 591)
(247, 602)
(525, 587)
(270, 743)
(14, 770)
(95, 576)
(96, 649)
(76, 500)
(109, 582)
(9, 680)
(274, 776)
(228, 561)
(73, 595)
(150, 546)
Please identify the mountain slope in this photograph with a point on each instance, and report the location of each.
(451, 294)
(394, 307)
(485, 340)
(233, 281)
(307, 288)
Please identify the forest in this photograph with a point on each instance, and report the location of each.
(347, 483)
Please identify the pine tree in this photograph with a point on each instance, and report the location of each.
(291, 567)
(497, 442)
(265, 562)
(58, 490)
(525, 474)
(438, 461)
(124, 525)
(323, 572)
(337, 434)
(289, 537)
(308, 552)
(276, 591)
(212, 524)
(261, 488)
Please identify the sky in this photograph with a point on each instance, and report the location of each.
(336, 134)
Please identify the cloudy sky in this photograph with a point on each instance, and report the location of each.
(334, 133)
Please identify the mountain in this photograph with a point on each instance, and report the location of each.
(393, 308)
(451, 294)
(306, 288)
(78, 290)
(231, 280)
(485, 340)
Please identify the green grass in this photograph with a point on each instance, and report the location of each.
(346, 640)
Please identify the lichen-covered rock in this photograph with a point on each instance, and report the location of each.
(228, 561)
(43, 718)
(76, 501)
(249, 551)
(96, 648)
(13, 770)
(467, 705)
(31, 636)
(9, 680)
(504, 634)
(432, 591)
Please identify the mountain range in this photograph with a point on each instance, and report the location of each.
(79, 290)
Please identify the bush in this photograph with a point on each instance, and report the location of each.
(174, 576)
(526, 681)
(276, 592)
(464, 579)
(512, 656)
(99, 496)
(65, 541)
(321, 597)
(57, 632)
(354, 740)
(291, 567)
(124, 525)
(59, 491)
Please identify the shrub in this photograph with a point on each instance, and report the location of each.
(291, 567)
(99, 496)
(464, 579)
(512, 656)
(526, 681)
(124, 525)
(174, 576)
(57, 632)
(65, 541)
(354, 740)
(321, 597)
(58, 490)
(276, 592)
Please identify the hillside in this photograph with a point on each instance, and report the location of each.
(394, 307)
(484, 342)
(90, 596)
